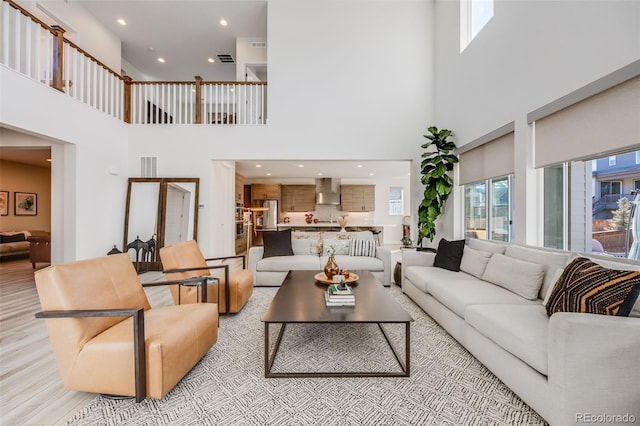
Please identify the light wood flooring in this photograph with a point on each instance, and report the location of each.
(31, 390)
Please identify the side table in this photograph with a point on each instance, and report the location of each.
(397, 273)
(39, 249)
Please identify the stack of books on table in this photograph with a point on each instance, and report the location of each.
(334, 296)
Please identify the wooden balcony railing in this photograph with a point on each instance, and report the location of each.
(41, 52)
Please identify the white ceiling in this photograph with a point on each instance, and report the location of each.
(32, 156)
(334, 169)
(184, 32)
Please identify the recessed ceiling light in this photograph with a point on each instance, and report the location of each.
(211, 60)
(268, 174)
(258, 165)
(224, 22)
(371, 174)
(151, 49)
(319, 174)
(301, 165)
(359, 166)
(121, 21)
(161, 60)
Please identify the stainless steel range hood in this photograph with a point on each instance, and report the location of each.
(328, 191)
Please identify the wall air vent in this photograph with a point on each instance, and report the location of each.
(259, 44)
(149, 167)
(225, 58)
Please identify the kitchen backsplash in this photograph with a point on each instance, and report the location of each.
(331, 213)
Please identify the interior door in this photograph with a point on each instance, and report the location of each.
(177, 214)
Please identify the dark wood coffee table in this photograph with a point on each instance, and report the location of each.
(300, 299)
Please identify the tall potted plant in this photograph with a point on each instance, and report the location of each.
(437, 161)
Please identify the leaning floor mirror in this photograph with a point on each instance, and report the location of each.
(159, 212)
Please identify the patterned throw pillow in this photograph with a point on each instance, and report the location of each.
(363, 248)
(587, 287)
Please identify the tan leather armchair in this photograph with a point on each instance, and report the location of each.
(184, 260)
(107, 339)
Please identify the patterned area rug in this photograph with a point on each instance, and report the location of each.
(448, 386)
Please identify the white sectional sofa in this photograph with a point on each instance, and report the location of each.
(271, 271)
(571, 368)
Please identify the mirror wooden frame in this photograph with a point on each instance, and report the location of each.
(161, 214)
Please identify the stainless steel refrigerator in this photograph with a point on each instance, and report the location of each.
(267, 219)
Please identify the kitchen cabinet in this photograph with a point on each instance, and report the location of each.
(239, 194)
(265, 191)
(298, 198)
(358, 198)
(241, 240)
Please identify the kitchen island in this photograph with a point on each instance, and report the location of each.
(326, 226)
(333, 226)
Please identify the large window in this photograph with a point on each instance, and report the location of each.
(487, 209)
(396, 201)
(586, 208)
(474, 15)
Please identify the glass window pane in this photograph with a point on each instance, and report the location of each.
(554, 207)
(475, 210)
(396, 201)
(481, 13)
(500, 214)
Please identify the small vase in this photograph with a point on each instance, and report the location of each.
(331, 268)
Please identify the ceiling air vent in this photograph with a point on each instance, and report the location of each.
(225, 58)
(259, 44)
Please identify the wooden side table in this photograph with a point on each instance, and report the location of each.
(39, 249)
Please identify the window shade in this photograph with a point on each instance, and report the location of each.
(607, 122)
(492, 159)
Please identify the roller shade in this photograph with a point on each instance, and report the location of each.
(492, 159)
(602, 124)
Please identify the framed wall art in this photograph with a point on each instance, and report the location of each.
(4, 203)
(25, 203)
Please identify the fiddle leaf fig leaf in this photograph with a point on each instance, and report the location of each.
(437, 161)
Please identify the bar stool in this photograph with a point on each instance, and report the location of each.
(376, 236)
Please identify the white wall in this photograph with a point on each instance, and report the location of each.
(529, 54)
(347, 80)
(89, 168)
(245, 54)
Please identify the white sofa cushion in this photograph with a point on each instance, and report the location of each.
(519, 329)
(300, 246)
(289, 263)
(550, 261)
(462, 290)
(474, 261)
(353, 263)
(421, 276)
(521, 277)
(485, 245)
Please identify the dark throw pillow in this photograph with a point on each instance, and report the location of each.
(449, 255)
(277, 243)
(15, 238)
(626, 309)
(587, 287)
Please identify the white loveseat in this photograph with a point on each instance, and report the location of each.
(271, 271)
(571, 368)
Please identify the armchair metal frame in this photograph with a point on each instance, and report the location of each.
(227, 293)
(139, 350)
